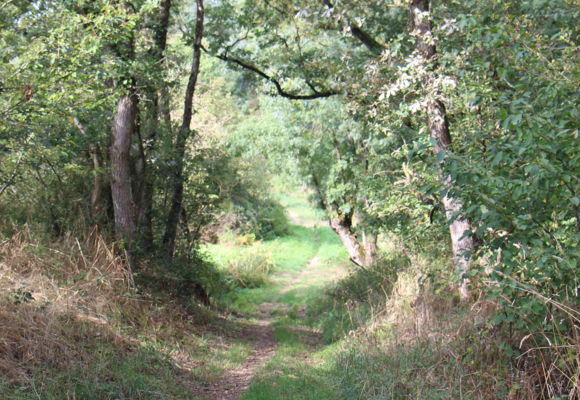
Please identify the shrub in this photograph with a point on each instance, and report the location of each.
(351, 303)
(250, 269)
(190, 276)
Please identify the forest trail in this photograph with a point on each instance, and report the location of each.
(275, 321)
(236, 381)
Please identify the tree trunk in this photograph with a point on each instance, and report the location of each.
(341, 224)
(369, 243)
(182, 136)
(142, 148)
(161, 101)
(121, 186)
(98, 182)
(459, 226)
(343, 228)
(369, 236)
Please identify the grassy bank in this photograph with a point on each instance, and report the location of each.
(72, 326)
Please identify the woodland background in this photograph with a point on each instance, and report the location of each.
(438, 139)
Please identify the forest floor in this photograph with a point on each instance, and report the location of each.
(283, 361)
(71, 329)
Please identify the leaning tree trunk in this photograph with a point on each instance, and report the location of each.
(121, 186)
(182, 136)
(342, 226)
(460, 226)
(340, 223)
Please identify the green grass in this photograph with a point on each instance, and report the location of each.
(298, 203)
(296, 372)
(144, 374)
(290, 255)
(299, 369)
(335, 341)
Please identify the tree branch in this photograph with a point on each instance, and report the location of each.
(246, 65)
(10, 180)
(366, 39)
(370, 43)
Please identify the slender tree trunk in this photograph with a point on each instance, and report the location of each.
(151, 126)
(145, 177)
(97, 206)
(140, 184)
(459, 226)
(122, 131)
(161, 29)
(98, 182)
(182, 136)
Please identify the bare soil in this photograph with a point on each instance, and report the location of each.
(235, 382)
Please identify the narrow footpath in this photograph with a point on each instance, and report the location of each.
(276, 326)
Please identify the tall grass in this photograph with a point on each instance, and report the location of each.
(250, 269)
(403, 335)
(72, 325)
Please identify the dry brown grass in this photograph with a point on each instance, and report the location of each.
(465, 349)
(59, 303)
(52, 299)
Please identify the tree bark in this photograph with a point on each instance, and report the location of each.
(369, 242)
(123, 127)
(459, 226)
(342, 226)
(98, 182)
(182, 136)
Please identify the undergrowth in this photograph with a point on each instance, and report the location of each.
(403, 335)
(251, 269)
(72, 325)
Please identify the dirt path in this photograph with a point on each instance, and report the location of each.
(235, 382)
(309, 270)
(260, 334)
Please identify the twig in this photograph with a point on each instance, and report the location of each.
(574, 314)
(11, 179)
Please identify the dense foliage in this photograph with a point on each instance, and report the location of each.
(452, 126)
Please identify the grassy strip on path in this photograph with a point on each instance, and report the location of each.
(306, 260)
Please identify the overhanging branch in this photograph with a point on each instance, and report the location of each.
(366, 39)
(248, 66)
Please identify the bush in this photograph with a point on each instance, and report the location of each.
(241, 200)
(250, 269)
(265, 219)
(190, 276)
(350, 304)
(272, 220)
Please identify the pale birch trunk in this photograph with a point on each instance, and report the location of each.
(459, 226)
